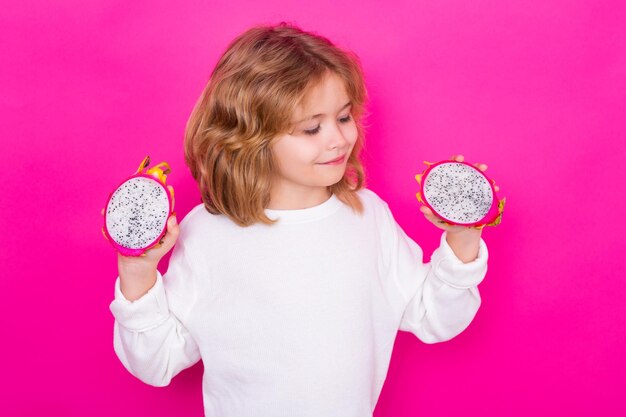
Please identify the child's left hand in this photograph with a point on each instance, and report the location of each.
(454, 229)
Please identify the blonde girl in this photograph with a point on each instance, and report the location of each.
(291, 279)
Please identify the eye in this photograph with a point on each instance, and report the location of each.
(317, 129)
(312, 131)
(345, 119)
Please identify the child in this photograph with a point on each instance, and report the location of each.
(291, 280)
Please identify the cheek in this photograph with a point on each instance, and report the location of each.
(351, 134)
(307, 150)
(296, 154)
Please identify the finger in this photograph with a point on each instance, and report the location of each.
(437, 221)
(172, 227)
(170, 237)
(431, 217)
(426, 211)
(169, 187)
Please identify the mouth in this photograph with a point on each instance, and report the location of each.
(335, 161)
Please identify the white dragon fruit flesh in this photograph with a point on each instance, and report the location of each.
(136, 213)
(460, 194)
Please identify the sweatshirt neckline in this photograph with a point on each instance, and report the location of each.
(308, 214)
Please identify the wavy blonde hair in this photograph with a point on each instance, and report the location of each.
(248, 101)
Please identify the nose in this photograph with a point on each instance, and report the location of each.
(336, 138)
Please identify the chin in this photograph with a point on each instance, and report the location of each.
(327, 179)
(333, 181)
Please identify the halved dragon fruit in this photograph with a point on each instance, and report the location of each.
(136, 213)
(460, 194)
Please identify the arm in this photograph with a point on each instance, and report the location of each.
(465, 243)
(440, 298)
(150, 337)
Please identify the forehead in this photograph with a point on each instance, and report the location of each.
(327, 95)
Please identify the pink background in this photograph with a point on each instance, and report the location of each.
(536, 91)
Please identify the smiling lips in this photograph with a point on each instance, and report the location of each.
(335, 161)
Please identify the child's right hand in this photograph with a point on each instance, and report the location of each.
(153, 255)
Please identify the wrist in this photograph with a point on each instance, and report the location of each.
(135, 264)
(465, 243)
(137, 276)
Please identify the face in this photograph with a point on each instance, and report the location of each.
(314, 155)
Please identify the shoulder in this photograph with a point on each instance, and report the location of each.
(192, 219)
(199, 227)
(371, 200)
(375, 208)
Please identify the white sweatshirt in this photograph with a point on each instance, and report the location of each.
(297, 318)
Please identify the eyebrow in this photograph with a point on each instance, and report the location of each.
(320, 114)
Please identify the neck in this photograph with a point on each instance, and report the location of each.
(296, 199)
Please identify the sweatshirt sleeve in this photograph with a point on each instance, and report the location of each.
(149, 335)
(440, 298)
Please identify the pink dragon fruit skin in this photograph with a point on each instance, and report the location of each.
(157, 177)
(493, 216)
